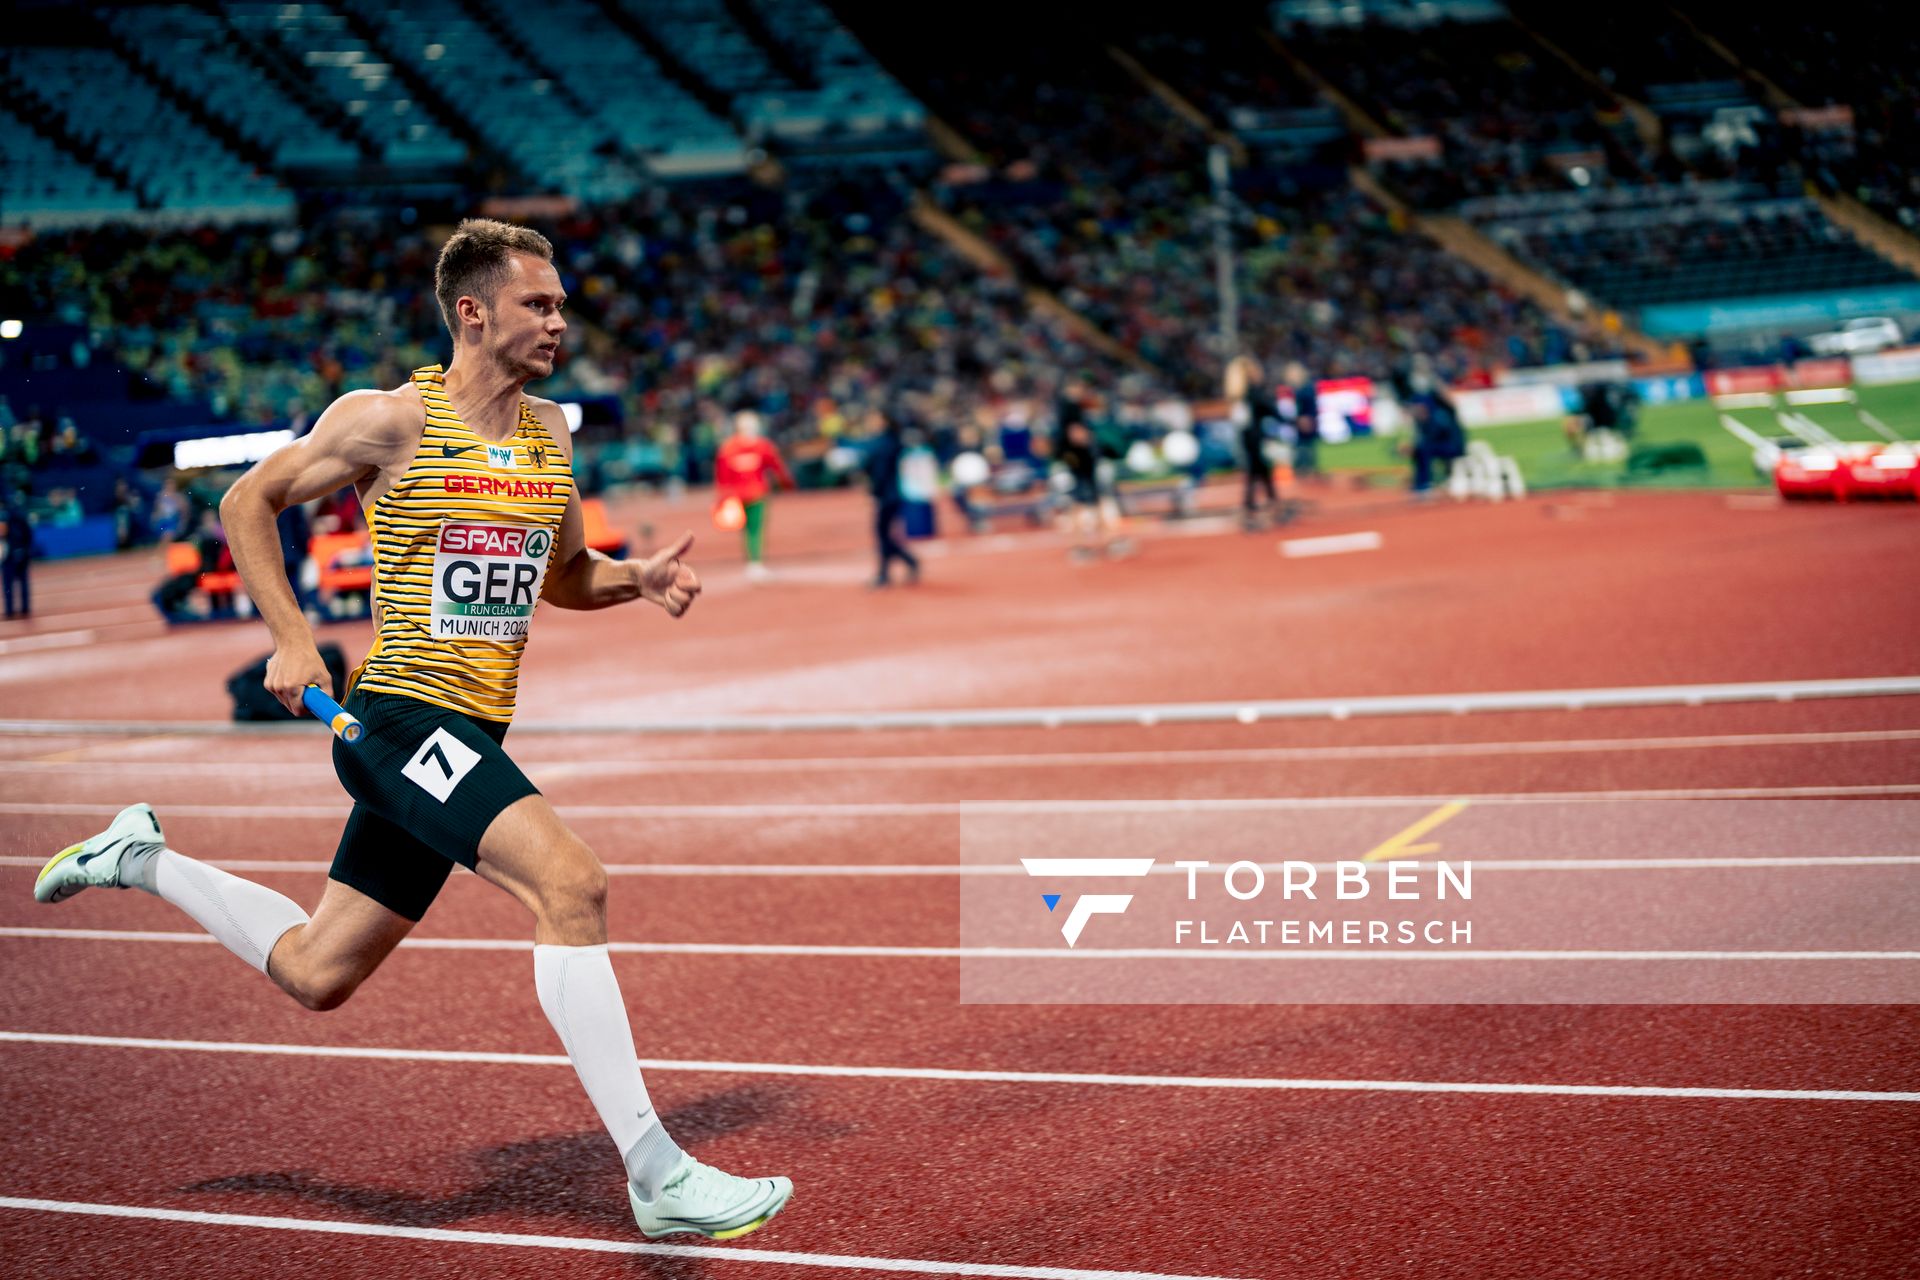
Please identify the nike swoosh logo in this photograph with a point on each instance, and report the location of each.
(133, 848)
(449, 451)
(85, 858)
(746, 1209)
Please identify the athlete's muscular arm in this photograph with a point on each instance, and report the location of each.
(582, 578)
(362, 435)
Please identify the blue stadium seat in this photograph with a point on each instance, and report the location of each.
(317, 39)
(175, 165)
(43, 186)
(190, 51)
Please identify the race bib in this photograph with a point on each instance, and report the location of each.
(486, 580)
(439, 763)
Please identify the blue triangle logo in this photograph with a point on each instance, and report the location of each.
(1051, 899)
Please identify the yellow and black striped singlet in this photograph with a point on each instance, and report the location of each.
(461, 546)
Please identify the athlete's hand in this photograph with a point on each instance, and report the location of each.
(293, 666)
(666, 581)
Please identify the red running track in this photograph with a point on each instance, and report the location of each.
(1028, 1173)
(1646, 589)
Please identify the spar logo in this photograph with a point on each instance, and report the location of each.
(1087, 905)
(495, 540)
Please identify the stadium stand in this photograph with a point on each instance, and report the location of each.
(1638, 247)
(1241, 86)
(262, 323)
(1625, 153)
(1710, 120)
(313, 44)
(189, 51)
(531, 115)
(808, 306)
(1635, 48)
(706, 39)
(828, 54)
(1637, 163)
(1858, 58)
(788, 74)
(45, 186)
(717, 295)
(619, 85)
(172, 163)
(1101, 192)
(1509, 117)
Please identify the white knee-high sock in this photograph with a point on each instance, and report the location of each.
(244, 917)
(581, 999)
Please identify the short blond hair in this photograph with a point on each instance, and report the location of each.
(1242, 372)
(473, 263)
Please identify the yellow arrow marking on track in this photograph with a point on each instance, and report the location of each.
(1402, 846)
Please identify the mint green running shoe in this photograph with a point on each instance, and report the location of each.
(97, 863)
(698, 1199)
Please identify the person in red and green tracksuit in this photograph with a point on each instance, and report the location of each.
(746, 467)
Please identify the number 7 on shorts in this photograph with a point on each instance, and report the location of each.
(438, 764)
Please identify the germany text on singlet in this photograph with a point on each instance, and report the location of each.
(461, 545)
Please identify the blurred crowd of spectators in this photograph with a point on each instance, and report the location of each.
(817, 301)
(1859, 55)
(263, 324)
(1512, 117)
(1238, 82)
(1100, 191)
(41, 440)
(1678, 244)
(35, 446)
(1509, 118)
(809, 305)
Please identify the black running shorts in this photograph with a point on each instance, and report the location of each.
(426, 783)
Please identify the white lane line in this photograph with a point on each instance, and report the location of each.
(130, 571)
(47, 640)
(125, 613)
(1332, 545)
(1006, 760)
(104, 634)
(72, 597)
(1244, 712)
(875, 952)
(781, 870)
(1068, 868)
(104, 935)
(1270, 1083)
(584, 1244)
(1684, 864)
(1201, 527)
(957, 808)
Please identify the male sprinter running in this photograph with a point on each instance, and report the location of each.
(472, 507)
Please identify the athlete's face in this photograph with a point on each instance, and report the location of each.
(524, 324)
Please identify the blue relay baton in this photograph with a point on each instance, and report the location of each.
(338, 718)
